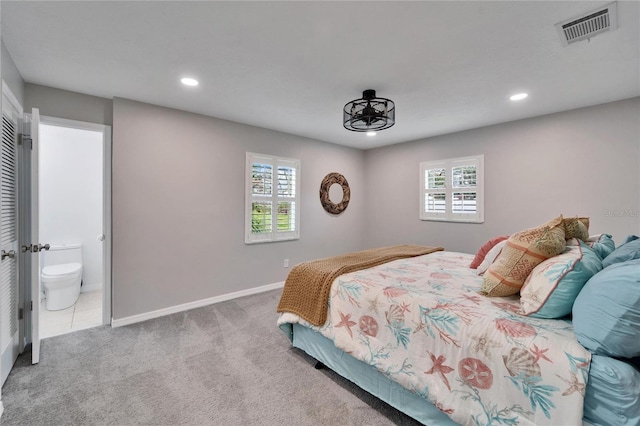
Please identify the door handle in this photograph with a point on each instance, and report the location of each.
(10, 254)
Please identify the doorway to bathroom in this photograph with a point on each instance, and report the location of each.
(73, 200)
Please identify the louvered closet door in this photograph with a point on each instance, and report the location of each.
(8, 245)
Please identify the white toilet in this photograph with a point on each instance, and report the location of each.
(61, 275)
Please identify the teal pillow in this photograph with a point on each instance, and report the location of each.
(602, 244)
(606, 313)
(551, 288)
(613, 393)
(627, 251)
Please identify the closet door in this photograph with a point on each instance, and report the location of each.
(9, 330)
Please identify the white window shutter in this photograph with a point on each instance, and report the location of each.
(452, 190)
(272, 207)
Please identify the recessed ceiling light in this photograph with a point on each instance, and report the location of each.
(371, 133)
(518, 97)
(189, 81)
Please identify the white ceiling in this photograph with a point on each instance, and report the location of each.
(291, 66)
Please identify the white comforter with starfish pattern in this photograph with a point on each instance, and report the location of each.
(422, 322)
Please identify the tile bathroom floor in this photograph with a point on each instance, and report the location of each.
(86, 313)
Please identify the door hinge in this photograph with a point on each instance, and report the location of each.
(31, 306)
(25, 140)
(20, 314)
(35, 248)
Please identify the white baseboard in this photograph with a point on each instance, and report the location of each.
(192, 305)
(90, 288)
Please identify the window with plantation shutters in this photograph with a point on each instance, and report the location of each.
(272, 210)
(452, 190)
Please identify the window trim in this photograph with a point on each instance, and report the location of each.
(448, 165)
(274, 235)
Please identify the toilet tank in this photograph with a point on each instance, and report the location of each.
(62, 253)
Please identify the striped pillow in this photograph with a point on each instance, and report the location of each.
(523, 252)
(575, 227)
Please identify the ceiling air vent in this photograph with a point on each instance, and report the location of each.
(588, 25)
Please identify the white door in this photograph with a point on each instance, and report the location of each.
(32, 124)
(9, 310)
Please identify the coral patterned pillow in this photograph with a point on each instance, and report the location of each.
(551, 288)
(523, 252)
(484, 249)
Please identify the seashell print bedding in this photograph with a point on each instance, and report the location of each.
(423, 323)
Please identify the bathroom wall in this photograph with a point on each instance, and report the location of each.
(71, 194)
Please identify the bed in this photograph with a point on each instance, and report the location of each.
(417, 333)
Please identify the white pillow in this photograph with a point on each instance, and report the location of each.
(490, 257)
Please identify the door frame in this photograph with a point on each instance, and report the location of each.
(106, 201)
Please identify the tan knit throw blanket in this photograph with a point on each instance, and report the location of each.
(306, 290)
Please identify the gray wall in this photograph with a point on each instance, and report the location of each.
(178, 191)
(70, 105)
(11, 75)
(178, 207)
(582, 162)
